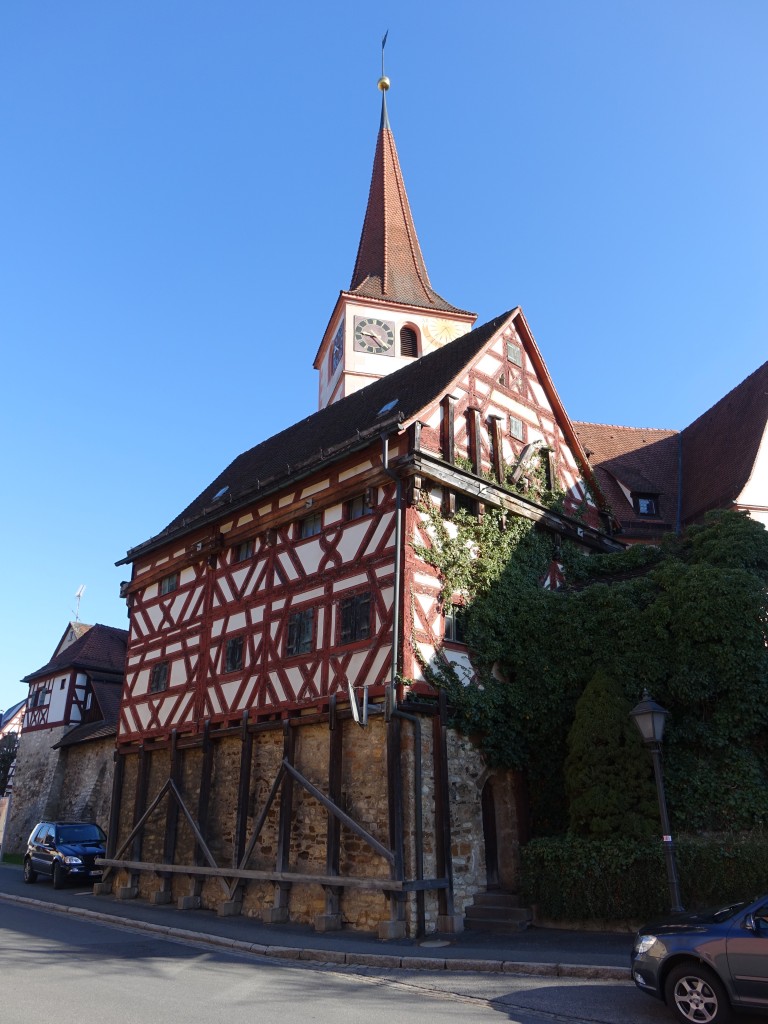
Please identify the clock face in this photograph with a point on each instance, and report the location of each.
(337, 347)
(375, 336)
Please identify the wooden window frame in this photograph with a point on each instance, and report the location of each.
(235, 645)
(359, 507)
(304, 527)
(160, 677)
(169, 583)
(300, 637)
(454, 631)
(243, 551)
(359, 629)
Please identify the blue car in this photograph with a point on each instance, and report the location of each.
(704, 964)
(63, 851)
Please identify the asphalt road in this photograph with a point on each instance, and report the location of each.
(75, 971)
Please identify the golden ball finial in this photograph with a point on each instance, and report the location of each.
(383, 83)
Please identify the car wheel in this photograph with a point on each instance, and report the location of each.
(30, 875)
(696, 995)
(59, 878)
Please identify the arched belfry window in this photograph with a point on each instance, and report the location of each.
(409, 342)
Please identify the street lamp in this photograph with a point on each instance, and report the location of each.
(650, 717)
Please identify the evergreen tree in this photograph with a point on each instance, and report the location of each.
(608, 775)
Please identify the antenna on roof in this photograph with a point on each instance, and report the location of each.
(78, 595)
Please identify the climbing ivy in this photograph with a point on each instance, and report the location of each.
(687, 620)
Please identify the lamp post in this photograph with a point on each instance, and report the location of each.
(650, 717)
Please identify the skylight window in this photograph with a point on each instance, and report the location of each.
(221, 493)
(388, 407)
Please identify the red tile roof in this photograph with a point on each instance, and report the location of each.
(101, 649)
(720, 447)
(389, 262)
(645, 460)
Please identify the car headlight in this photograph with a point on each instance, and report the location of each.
(71, 860)
(643, 943)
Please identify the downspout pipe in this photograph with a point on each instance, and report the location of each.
(413, 719)
(396, 615)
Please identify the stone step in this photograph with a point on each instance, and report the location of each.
(498, 927)
(495, 898)
(497, 911)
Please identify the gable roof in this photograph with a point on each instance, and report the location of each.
(352, 423)
(338, 429)
(107, 693)
(389, 264)
(719, 449)
(644, 460)
(100, 649)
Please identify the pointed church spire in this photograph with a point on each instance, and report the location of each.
(389, 263)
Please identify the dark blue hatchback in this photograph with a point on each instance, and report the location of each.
(703, 964)
(64, 850)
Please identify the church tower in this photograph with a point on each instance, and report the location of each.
(390, 315)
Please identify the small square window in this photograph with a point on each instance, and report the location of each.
(243, 551)
(516, 428)
(234, 655)
(355, 614)
(300, 632)
(359, 506)
(514, 353)
(646, 504)
(159, 678)
(455, 623)
(169, 583)
(310, 525)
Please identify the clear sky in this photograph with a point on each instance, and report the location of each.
(183, 185)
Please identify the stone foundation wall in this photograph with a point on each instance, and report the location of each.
(364, 797)
(35, 785)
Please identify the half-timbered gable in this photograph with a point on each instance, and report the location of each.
(65, 755)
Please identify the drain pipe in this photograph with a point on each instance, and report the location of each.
(398, 572)
(395, 711)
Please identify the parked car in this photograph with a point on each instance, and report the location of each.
(64, 850)
(703, 964)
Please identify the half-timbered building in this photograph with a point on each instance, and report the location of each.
(274, 757)
(66, 745)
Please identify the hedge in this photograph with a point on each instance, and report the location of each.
(575, 879)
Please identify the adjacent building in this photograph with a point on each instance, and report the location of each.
(65, 754)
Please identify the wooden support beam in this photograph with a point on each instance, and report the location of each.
(243, 790)
(206, 775)
(254, 874)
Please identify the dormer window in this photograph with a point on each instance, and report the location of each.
(409, 342)
(646, 504)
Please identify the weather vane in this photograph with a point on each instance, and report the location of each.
(383, 81)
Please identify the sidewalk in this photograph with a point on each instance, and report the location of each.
(540, 951)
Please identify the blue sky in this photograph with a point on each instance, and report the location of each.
(183, 187)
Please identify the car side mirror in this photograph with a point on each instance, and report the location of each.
(750, 923)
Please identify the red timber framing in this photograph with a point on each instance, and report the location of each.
(256, 628)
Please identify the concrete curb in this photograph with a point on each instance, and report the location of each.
(384, 961)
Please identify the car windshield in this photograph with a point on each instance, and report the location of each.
(723, 913)
(80, 834)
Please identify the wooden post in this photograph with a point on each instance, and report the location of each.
(165, 893)
(448, 920)
(331, 919)
(395, 928)
(279, 912)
